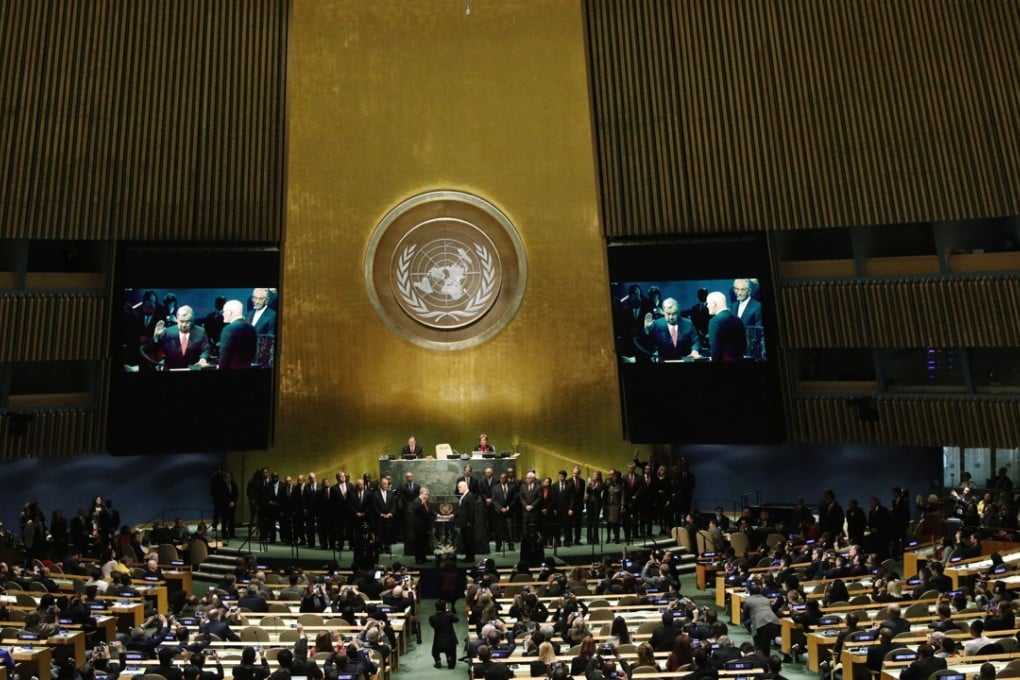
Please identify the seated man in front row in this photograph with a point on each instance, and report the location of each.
(185, 344)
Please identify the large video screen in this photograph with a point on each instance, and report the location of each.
(195, 336)
(717, 320)
(694, 330)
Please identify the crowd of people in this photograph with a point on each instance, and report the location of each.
(639, 501)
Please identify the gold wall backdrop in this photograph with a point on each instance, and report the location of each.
(391, 99)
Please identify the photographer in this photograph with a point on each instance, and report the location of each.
(248, 669)
(606, 665)
(314, 600)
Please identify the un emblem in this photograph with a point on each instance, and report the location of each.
(445, 269)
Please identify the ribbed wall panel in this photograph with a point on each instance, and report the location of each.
(716, 115)
(142, 120)
(53, 327)
(906, 421)
(54, 432)
(961, 312)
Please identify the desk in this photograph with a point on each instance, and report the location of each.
(705, 573)
(34, 661)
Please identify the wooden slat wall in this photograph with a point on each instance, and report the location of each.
(950, 312)
(150, 120)
(53, 327)
(973, 421)
(721, 115)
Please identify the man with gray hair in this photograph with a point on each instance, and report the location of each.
(183, 345)
(238, 339)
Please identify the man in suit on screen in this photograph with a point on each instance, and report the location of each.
(238, 340)
(673, 336)
(185, 344)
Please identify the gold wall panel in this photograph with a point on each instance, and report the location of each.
(142, 120)
(716, 115)
(388, 100)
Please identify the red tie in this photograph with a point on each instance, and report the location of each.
(184, 343)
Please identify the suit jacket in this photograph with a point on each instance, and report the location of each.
(686, 339)
(266, 324)
(632, 492)
(407, 496)
(752, 313)
(467, 510)
(445, 636)
(727, 337)
(388, 506)
(238, 342)
(500, 499)
(923, 668)
(421, 518)
(406, 451)
(532, 497)
(198, 347)
(471, 482)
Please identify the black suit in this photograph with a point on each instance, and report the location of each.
(266, 325)
(530, 497)
(727, 337)
(686, 339)
(923, 668)
(176, 357)
(752, 313)
(444, 639)
(633, 491)
(466, 517)
(502, 510)
(238, 341)
(385, 511)
(340, 503)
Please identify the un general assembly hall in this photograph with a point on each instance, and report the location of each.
(770, 245)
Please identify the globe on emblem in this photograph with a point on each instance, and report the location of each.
(446, 275)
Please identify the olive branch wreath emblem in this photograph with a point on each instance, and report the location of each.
(417, 305)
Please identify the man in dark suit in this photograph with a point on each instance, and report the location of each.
(727, 337)
(407, 493)
(673, 336)
(412, 449)
(468, 478)
(465, 517)
(502, 509)
(324, 515)
(563, 497)
(877, 652)
(444, 639)
(261, 317)
(664, 636)
(926, 664)
(311, 491)
(633, 488)
(183, 345)
(747, 309)
(341, 496)
(576, 514)
(530, 499)
(384, 507)
(422, 517)
(238, 339)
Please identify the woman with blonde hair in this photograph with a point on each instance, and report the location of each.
(546, 657)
